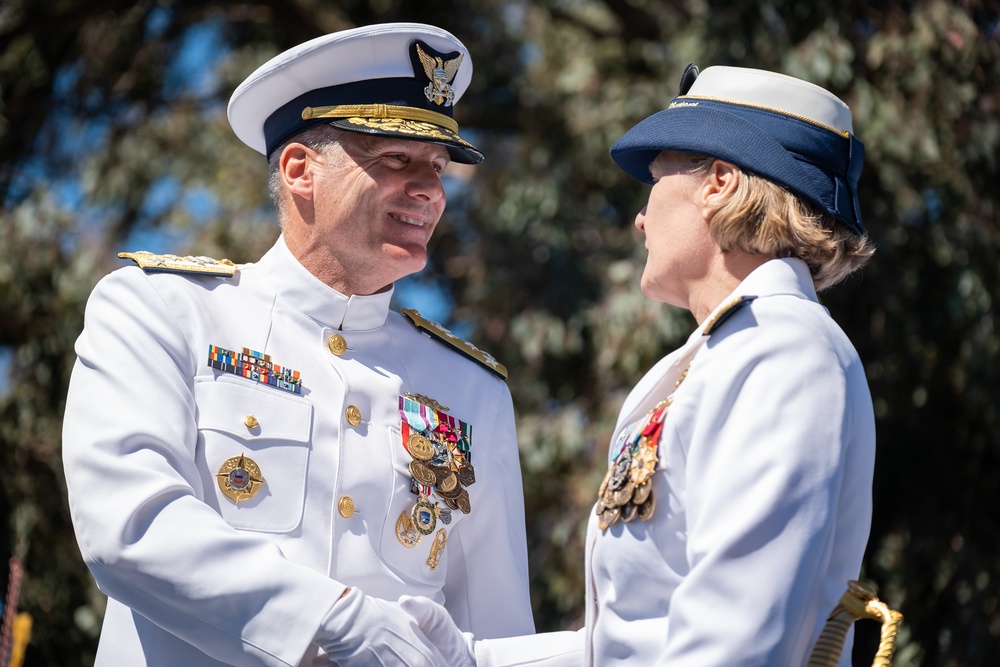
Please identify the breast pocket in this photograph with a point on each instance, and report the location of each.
(420, 556)
(262, 434)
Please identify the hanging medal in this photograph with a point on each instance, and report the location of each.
(441, 467)
(627, 490)
(440, 539)
(406, 532)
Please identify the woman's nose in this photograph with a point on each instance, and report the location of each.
(640, 220)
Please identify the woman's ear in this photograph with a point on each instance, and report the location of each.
(720, 183)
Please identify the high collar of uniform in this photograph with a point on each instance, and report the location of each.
(314, 298)
(788, 276)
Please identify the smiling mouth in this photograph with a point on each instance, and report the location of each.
(416, 222)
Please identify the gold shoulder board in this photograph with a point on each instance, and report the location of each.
(150, 262)
(453, 341)
(725, 312)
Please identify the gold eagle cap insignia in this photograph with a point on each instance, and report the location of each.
(440, 72)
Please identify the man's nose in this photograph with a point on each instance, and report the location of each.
(424, 182)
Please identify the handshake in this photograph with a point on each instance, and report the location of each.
(417, 632)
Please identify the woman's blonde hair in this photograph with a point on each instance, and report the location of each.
(763, 218)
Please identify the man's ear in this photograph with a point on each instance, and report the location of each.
(720, 183)
(296, 165)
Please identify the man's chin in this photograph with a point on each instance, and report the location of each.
(405, 262)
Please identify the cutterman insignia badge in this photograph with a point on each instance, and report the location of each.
(239, 478)
(440, 539)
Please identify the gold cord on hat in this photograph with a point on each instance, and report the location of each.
(381, 111)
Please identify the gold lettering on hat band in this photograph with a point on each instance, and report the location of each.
(381, 111)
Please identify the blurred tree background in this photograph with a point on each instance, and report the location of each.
(113, 136)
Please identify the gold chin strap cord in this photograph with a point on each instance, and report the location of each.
(858, 602)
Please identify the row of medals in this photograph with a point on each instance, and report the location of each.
(627, 490)
(448, 473)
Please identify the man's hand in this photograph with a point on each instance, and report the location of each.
(461, 649)
(362, 631)
(456, 646)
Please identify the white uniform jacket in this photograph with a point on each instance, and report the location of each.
(196, 579)
(762, 491)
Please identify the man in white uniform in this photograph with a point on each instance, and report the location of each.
(262, 459)
(737, 502)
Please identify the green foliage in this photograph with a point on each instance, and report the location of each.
(108, 138)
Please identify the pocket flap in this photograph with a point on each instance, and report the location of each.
(252, 411)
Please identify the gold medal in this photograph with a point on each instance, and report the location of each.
(623, 495)
(447, 482)
(453, 493)
(422, 473)
(642, 492)
(406, 533)
(644, 463)
(424, 516)
(608, 517)
(626, 492)
(440, 539)
(420, 447)
(239, 478)
(646, 509)
(463, 502)
(467, 474)
(604, 484)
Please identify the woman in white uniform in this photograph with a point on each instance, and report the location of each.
(737, 502)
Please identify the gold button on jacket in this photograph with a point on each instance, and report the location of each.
(337, 344)
(346, 507)
(353, 415)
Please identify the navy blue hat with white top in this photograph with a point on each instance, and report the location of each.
(393, 79)
(786, 130)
